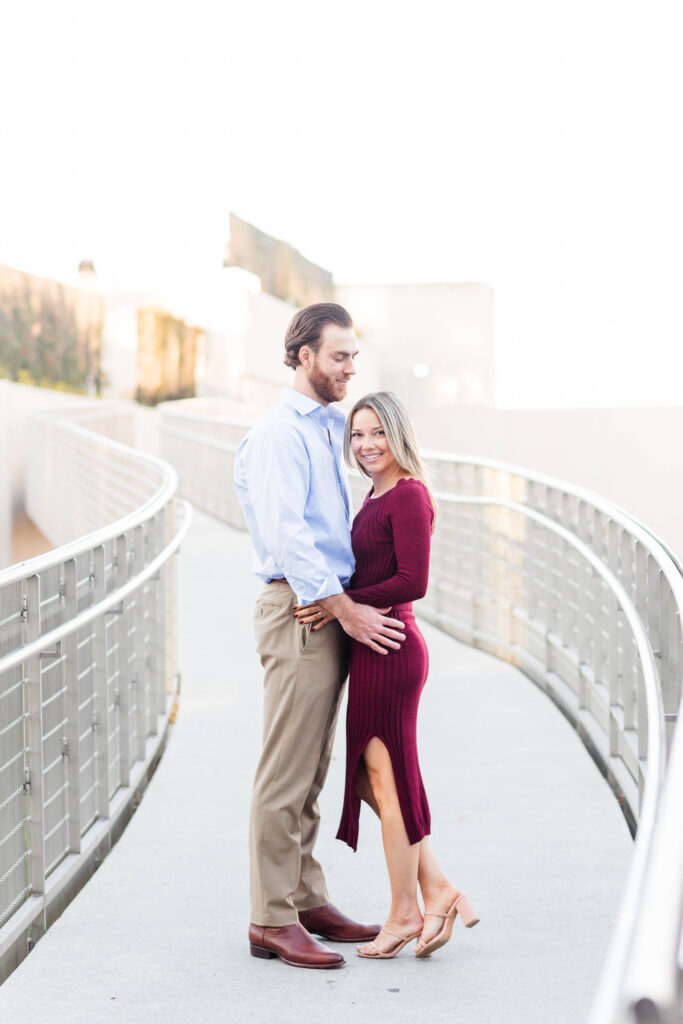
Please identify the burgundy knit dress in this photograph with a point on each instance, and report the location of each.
(391, 538)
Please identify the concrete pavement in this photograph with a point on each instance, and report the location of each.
(522, 822)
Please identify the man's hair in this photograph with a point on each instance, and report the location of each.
(306, 328)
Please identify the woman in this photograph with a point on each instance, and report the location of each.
(391, 539)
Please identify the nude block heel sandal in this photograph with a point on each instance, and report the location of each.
(460, 906)
(402, 940)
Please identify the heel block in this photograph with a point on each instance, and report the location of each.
(467, 912)
(261, 952)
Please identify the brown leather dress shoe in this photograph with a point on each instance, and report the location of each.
(293, 945)
(332, 924)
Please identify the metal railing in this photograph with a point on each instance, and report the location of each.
(87, 663)
(201, 447)
(585, 601)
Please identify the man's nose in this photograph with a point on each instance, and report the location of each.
(349, 367)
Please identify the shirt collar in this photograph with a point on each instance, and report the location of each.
(305, 405)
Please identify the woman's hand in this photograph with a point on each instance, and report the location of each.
(313, 613)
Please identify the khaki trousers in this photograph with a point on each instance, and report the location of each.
(304, 679)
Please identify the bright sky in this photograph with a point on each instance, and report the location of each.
(534, 145)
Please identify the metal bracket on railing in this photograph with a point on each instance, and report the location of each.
(65, 749)
(27, 781)
(51, 655)
(95, 725)
(671, 718)
(115, 611)
(24, 608)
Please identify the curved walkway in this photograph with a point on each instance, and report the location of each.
(522, 820)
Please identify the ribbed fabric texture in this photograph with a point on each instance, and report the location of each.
(391, 540)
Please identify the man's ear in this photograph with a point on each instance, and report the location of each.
(305, 356)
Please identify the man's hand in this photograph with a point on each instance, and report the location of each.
(368, 625)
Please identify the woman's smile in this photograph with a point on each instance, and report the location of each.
(369, 443)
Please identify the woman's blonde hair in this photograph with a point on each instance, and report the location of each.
(399, 432)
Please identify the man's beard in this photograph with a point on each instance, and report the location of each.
(327, 388)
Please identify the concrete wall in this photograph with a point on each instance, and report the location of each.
(17, 403)
(5, 488)
(242, 355)
(434, 342)
(120, 343)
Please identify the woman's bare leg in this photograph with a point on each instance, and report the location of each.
(402, 857)
(437, 892)
(364, 789)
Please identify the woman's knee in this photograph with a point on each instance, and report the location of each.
(382, 783)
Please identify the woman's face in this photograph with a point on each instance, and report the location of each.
(369, 445)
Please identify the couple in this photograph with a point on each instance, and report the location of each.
(312, 629)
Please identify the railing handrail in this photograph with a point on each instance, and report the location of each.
(655, 545)
(226, 421)
(169, 484)
(223, 446)
(669, 561)
(127, 659)
(54, 636)
(654, 779)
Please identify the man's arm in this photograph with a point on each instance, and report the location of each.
(278, 473)
(279, 479)
(368, 625)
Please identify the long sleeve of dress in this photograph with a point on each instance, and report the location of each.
(410, 515)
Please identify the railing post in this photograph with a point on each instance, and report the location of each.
(123, 694)
(73, 745)
(140, 647)
(162, 670)
(100, 702)
(31, 613)
(670, 660)
(170, 605)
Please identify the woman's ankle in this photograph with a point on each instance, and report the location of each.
(439, 891)
(405, 914)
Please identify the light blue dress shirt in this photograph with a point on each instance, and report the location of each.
(291, 482)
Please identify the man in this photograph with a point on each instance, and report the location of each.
(291, 482)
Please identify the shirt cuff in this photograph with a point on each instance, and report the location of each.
(328, 588)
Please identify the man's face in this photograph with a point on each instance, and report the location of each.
(331, 368)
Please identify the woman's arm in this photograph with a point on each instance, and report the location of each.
(410, 515)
